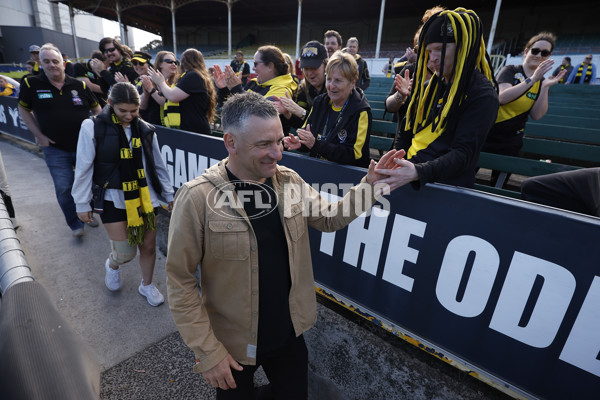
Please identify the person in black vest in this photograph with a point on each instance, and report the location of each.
(338, 127)
(119, 151)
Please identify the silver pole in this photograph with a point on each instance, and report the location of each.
(119, 20)
(494, 23)
(72, 15)
(173, 26)
(381, 14)
(298, 29)
(229, 5)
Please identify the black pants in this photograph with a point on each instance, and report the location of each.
(577, 190)
(286, 369)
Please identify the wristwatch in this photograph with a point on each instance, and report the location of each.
(152, 91)
(528, 81)
(303, 113)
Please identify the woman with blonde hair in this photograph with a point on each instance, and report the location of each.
(193, 97)
(338, 127)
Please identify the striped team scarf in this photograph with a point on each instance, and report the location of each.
(138, 205)
(588, 73)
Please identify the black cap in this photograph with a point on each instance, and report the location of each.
(436, 30)
(141, 56)
(313, 54)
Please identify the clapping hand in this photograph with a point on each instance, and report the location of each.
(156, 76)
(306, 137)
(119, 77)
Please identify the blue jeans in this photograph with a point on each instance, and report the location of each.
(61, 163)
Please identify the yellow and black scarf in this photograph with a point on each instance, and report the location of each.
(389, 69)
(562, 80)
(138, 205)
(588, 73)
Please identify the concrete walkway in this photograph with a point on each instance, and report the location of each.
(138, 347)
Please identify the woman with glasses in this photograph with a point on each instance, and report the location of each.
(117, 54)
(273, 78)
(191, 102)
(149, 108)
(523, 91)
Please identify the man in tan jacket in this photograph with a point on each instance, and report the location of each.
(245, 222)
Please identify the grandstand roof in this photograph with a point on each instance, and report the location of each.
(155, 15)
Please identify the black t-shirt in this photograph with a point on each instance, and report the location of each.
(193, 109)
(59, 113)
(275, 326)
(245, 69)
(82, 70)
(124, 67)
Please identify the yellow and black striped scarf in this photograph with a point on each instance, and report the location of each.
(588, 73)
(562, 80)
(138, 205)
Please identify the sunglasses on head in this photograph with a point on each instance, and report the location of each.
(171, 62)
(545, 53)
(109, 50)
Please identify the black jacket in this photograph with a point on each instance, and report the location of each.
(340, 144)
(452, 157)
(108, 149)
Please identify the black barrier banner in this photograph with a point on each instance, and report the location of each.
(510, 287)
(10, 121)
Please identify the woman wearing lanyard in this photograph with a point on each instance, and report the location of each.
(339, 125)
(523, 91)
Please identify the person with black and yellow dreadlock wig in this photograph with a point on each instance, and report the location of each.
(450, 114)
(118, 150)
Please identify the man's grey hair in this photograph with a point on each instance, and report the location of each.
(49, 47)
(352, 39)
(242, 106)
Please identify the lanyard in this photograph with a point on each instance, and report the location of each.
(323, 137)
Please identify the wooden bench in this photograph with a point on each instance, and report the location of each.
(515, 165)
(570, 121)
(562, 132)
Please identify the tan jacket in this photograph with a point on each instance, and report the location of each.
(220, 315)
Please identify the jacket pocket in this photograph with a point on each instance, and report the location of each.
(229, 239)
(296, 222)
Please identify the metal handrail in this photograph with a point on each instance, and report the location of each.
(13, 265)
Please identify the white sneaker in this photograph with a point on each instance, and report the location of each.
(151, 293)
(112, 278)
(78, 232)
